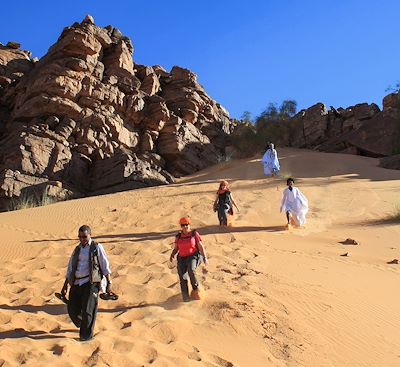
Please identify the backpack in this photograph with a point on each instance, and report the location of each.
(193, 234)
(178, 235)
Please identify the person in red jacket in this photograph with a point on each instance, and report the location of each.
(191, 252)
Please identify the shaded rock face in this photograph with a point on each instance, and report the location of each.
(85, 119)
(361, 129)
(392, 162)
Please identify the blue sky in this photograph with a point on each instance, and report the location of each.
(246, 53)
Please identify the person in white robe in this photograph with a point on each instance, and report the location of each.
(270, 161)
(294, 204)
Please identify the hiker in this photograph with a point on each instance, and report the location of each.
(86, 268)
(191, 253)
(295, 204)
(270, 161)
(224, 203)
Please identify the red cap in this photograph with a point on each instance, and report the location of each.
(184, 220)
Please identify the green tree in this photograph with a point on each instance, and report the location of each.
(393, 88)
(274, 124)
(247, 117)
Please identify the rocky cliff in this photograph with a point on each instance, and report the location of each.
(85, 119)
(362, 129)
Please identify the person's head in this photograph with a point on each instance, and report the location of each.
(290, 182)
(271, 146)
(223, 186)
(84, 234)
(185, 224)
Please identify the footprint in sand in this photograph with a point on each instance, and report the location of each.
(125, 325)
(222, 362)
(195, 355)
(57, 350)
(163, 333)
(123, 346)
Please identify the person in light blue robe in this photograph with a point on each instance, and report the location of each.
(270, 162)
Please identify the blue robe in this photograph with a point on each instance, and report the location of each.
(270, 162)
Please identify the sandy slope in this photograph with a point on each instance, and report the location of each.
(273, 297)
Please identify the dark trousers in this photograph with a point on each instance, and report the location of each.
(223, 210)
(187, 266)
(82, 307)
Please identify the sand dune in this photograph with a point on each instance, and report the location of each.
(272, 297)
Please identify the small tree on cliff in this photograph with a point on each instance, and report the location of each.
(393, 88)
(246, 117)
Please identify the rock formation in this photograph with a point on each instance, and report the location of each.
(85, 119)
(362, 129)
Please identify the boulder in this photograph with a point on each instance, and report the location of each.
(391, 162)
(185, 148)
(392, 100)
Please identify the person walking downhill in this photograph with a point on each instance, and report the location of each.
(270, 161)
(86, 268)
(224, 203)
(191, 252)
(294, 204)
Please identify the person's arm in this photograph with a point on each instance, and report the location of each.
(283, 201)
(264, 158)
(64, 289)
(216, 199)
(174, 251)
(234, 203)
(104, 266)
(202, 251)
(201, 248)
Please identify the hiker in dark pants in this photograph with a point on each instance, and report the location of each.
(190, 252)
(86, 267)
(224, 203)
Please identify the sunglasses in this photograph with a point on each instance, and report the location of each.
(185, 225)
(83, 236)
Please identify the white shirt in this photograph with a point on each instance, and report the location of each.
(82, 270)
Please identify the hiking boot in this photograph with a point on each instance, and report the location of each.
(85, 339)
(195, 295)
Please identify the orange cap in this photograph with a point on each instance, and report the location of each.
(184, 220)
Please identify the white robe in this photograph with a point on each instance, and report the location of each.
(270, 162)
(296, 204)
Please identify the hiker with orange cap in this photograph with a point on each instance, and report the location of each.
(224, 203)
(190, 250)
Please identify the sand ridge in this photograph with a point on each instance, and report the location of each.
(273, 297)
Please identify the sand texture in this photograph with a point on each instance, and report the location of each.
(272, 297)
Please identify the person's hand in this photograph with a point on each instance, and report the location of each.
(171, 259)
(205, 260)
(64, 290)
(109, 288)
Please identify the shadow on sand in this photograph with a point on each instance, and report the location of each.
(154, 236)
(171, 303)
(34, 334)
